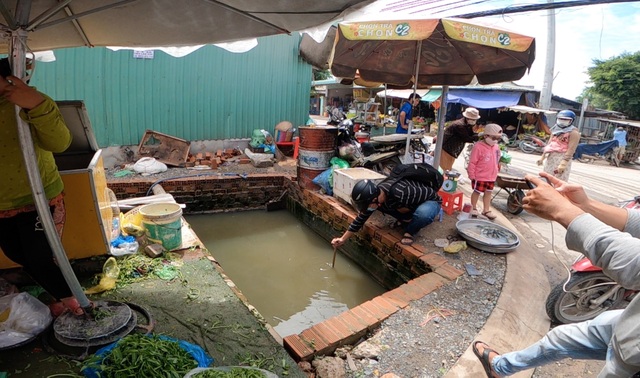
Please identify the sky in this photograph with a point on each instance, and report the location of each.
(583, 33)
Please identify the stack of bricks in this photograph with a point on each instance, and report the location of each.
(214, 160)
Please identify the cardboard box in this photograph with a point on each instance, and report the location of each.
(345, 179)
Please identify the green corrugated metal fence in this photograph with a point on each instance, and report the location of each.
(209, 94)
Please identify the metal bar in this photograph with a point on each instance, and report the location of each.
(407, 154)
(46, 14)
(80, 15)
(442, 113)
(18, 53)
(11, 22)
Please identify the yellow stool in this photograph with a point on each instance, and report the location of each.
(451, 201)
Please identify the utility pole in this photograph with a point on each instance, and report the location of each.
(547, 84)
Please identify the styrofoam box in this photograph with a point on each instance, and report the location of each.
(345, 179)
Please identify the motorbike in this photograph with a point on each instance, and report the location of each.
(589, 291)
(532, 144)
(335, 116)
(380, 155)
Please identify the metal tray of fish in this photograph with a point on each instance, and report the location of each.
(487, 233)
(491, 248)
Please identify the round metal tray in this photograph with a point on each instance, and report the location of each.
(487, 233)
(492, 249)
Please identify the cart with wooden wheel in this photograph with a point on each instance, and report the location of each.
(513, 182)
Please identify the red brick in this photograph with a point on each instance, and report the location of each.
(420, 248)
(448, 272)
(430, 282)
(398, 297)
(414, 291)
(365, 315)
(297, 347)
(379, 311)
(339, 327)
(381, 301)
(353, 322)
(327, 333)
(316, 340)
(411, 255)
(432, 260)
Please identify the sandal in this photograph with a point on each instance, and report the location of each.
(407, 239)
(489, 214)
(484, 358)
(474, 213)
(73, 305)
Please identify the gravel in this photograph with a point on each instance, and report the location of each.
(428, 337)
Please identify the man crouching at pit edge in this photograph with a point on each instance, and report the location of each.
(414, 205)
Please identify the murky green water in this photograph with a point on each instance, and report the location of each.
(283, 267)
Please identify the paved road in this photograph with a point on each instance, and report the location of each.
(603, 182)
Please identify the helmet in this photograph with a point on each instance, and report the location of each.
(363, 194)
(567, 114)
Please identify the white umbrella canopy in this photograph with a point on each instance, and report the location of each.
(56, 24)
(37, 25)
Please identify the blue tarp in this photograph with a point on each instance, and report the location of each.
(483, 99)
(593, 149)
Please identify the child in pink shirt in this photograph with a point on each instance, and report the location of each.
(483, 168)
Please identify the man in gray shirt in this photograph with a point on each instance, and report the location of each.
(610, 237)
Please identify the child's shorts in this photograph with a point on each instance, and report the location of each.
(482, 186)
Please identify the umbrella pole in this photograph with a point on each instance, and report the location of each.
(407, 154)
(442, 113)
(18, 40)
(384, 109)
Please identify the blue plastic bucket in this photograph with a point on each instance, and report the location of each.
(163, 224)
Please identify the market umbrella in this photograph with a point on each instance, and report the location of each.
(35, 25)
(430, 52)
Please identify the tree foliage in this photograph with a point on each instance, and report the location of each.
(616, 84)
(321, 74)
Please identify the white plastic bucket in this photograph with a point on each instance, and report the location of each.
(163, 224)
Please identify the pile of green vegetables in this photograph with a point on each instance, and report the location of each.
(233, 373)
(139, 356)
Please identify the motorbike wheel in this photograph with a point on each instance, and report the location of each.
(514, 202)
(528, 147)
(573, 306)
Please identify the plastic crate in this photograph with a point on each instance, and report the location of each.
(345, 179)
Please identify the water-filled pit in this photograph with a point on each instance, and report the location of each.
(283, 267)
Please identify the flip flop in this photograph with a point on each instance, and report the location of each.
(484, 358)
(489, 214)
(407, 239)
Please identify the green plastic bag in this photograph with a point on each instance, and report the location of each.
(505, 158)
(337, 163)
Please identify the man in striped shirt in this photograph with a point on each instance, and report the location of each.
(414, 205)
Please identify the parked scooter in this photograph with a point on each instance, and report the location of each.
(532, 144)
(589, 292)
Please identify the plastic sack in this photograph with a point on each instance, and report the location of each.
(325, 181)
(337, 163)
(505, 157)
(198, 354)
(27, 318)
(124, 245)
(131, 222)
(149, 166)
(108, 278)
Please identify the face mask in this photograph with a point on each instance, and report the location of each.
(490, 141)
(564, 122)
(471, 121)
